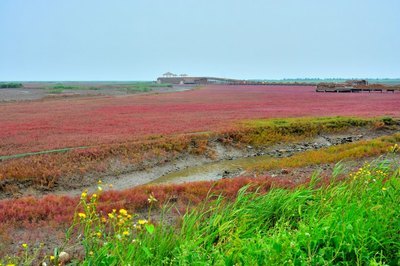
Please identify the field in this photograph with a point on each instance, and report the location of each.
(285, 143)
(11, 92)
(55, 124)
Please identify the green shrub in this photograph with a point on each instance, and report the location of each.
(11, 85)
(56, 91)
(388, 121)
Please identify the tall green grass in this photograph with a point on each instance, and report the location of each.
(351, 222)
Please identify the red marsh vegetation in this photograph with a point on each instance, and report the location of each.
(57, 123)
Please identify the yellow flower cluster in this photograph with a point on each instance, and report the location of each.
(116, 225)
(369, 175)
(361, 172)
(142, 222)
(84, 194)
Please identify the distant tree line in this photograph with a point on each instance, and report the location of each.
(10, 85)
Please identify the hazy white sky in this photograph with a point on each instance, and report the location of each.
(139, 40)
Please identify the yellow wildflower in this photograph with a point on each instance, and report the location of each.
(99, 182)
(82, 215)
(151, 198)
(83, 195)
(123, 212)
(24, 245)
(98, 234)
(125, 233)
(99, 188)
(384, 189)
(144, 221)
(111, 215)
(52, 257)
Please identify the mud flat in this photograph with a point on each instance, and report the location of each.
(37, 92)
(229, 163)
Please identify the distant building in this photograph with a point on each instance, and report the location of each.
(172, 78)
(355, 82)
(169, 75)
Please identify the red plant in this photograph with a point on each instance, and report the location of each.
(21, 218)
(59, 123)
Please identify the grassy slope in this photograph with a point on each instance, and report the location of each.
(352, 222)
(325, 222)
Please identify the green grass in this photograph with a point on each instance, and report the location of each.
(145, 87)
(66, 87)
(355, 221)
(56, 91)
(12, 85)
(140, 88)
(131, 87)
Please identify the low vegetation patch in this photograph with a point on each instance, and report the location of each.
(324, 222)
(270, 131)
(10, 85)
(30, 127)
(349, 151)
(44, 170)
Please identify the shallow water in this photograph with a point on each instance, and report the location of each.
(210, 171)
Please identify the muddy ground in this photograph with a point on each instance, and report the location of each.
(39, 91)
(227, 162)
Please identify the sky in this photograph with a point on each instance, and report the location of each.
(248, 39)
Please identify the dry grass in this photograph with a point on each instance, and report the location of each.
(350, 151)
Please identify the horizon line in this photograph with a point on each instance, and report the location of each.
(143, 80)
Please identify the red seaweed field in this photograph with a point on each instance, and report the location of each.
(71, 122)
